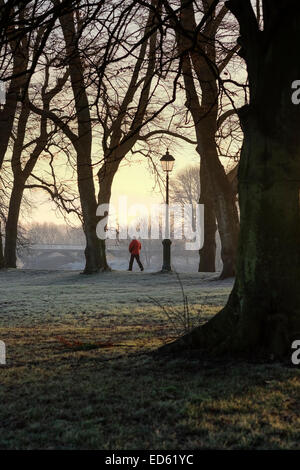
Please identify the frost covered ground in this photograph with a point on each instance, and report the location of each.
(41, 297)
(55, 395)
(101, 307)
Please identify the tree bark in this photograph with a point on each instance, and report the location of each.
(224, 200)
(11, 231)
(207, 253)
(106, 176)
(7, 114)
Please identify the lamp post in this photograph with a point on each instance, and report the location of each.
(167, 162)
(2, 95)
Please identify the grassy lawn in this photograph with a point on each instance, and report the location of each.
(56, 396)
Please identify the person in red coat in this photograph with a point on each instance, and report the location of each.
(134, 249)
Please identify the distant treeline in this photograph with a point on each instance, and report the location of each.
(48, 233)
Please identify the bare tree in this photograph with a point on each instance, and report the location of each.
(19, 21)
(82, 140)
(123, 121)
(23, 165)
(199, 55)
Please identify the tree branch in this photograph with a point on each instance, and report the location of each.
(171, 133)
(54, 118)
(224, 116)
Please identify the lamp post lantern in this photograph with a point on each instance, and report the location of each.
(167, 162)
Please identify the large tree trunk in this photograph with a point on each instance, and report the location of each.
(7, 114)
(222, 195)
(21, 168)
(11, 230)
(208, 251)
(262, 315)
(106, 176)
(207, 263)
(95, 261)
(93, 253)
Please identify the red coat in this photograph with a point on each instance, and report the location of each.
(135, 247)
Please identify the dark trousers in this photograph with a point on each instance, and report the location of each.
(137, 257)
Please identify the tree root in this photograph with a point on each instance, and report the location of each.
(107, 269)
(225, 335)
